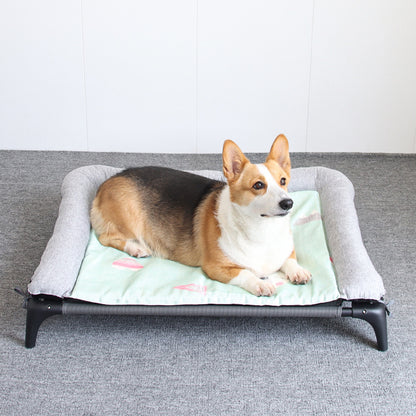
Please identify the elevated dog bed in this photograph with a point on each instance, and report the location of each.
(77, 275)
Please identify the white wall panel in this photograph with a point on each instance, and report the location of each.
(253, 72)
(41, 76)
(363, 84)
(183, 75)
(140, 66)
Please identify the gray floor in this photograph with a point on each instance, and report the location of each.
(198, 366)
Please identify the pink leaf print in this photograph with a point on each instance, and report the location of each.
(127, 263)
(193, 288)
(315, 216)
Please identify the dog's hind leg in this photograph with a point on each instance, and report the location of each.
(131, 246)
(136, 249)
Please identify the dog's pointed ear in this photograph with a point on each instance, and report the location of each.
(233, 160)
(280, 152)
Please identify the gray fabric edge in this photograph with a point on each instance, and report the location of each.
(58, 269)
(59, 265)
(356, 276)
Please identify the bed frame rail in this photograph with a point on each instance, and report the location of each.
(41, 307)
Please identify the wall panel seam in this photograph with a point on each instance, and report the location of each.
(308, 105)
(84, 68)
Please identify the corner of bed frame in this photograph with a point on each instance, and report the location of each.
(39, 308)
(372, 311)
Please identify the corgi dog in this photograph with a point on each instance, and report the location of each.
(238, 231)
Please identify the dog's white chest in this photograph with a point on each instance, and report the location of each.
(262, 246)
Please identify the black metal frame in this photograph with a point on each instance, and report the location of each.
(41, 307)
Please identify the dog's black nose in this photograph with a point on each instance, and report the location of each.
(286, 204)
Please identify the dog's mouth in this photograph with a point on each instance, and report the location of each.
(283, 214)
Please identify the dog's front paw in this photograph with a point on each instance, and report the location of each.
(264, 287)
(250, 282)
(300, 276)
(295, 273)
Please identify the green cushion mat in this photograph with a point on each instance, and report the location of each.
(109, 276)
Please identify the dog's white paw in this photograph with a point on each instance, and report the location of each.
(300, 277)
(250, 282)
(295, 273)
(264, 287)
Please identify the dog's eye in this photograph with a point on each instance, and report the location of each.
(283, 181)
(258, 185)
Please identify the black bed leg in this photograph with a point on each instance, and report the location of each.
(38, 309)
(375, 313)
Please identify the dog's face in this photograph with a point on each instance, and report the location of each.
(259, 190)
